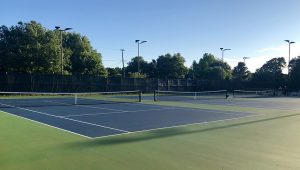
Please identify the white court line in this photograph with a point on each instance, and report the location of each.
(139, 104)
(262, 107)
(217, 111)
(133, 111)
(116, 110)
(45, 124)
(183, 125)
(166, 108)
(106, 127)
(34, 111)
(84, 106)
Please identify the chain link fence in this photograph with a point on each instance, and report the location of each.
(85, 83)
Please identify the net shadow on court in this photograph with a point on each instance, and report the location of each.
(166, 133)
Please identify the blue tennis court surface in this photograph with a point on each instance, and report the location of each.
(278, 103)
(116, 118)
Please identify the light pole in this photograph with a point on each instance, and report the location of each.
(61, 46)
(123, 62)
(245, 58)
(289, 42)
(138, 43)
(223, 50)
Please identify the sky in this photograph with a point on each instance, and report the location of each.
(251, 28)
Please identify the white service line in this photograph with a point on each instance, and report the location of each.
(262, 107)
(92, 124)
(133, 111)
(85, 106)
(215, 111)
(106, 127)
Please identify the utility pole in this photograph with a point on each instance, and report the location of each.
(123, 62)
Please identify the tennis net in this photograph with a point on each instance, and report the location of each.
(35, 99)
(186, 96)
(252, 94)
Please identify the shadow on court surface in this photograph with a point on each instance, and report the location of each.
(164, 133)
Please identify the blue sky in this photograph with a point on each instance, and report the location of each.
(251, 28)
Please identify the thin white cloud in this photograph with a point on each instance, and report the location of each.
(252, 63)
(274, 49)
(281, 50)
(272, 52)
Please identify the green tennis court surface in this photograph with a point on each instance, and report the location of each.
(268, 140)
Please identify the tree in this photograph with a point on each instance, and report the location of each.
(210, 68)
(274, 65)
(191, 71)
(80, 57)
(133, 65)
(241, 72)
(114, 72)
(31, 48)
(151, 69)
(169, 66)
(271, 72)
(295, 73)
(28, 47)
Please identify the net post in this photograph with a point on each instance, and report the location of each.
(154, 95)
(195, 96)
(75, 99)
(140, 95)
(233, 93)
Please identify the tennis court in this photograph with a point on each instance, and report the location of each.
(250, 99)
(94, 116)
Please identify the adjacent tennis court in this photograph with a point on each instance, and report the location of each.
(241, 98)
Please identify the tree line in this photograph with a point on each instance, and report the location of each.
(31, 48)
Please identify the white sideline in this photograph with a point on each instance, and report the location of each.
(106, 127)
(177, 126)
(46, 125)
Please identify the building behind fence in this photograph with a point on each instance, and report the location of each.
(84, 83)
